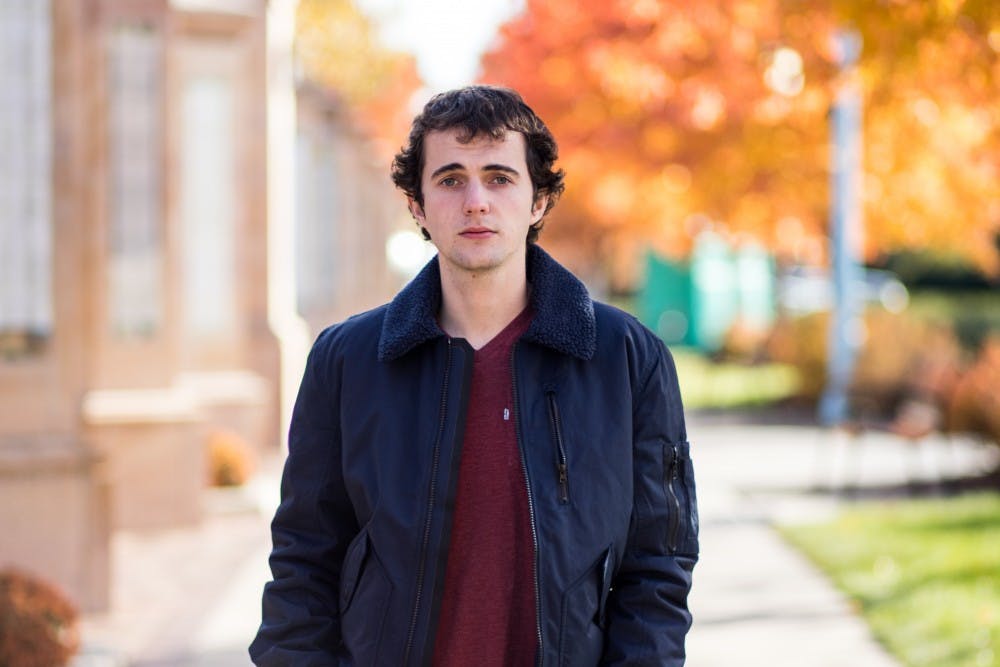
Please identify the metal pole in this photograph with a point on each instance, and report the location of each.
(846, 325)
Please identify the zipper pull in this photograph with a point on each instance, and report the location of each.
(672, 466)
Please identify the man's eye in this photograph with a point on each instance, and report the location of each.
(449, 182)
(501, 180)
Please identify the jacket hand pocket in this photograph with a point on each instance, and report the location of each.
(581, 633)
(364, 597)
(682, 504)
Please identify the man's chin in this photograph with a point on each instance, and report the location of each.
(475, 265)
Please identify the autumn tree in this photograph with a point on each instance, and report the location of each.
(336, 46)
(673, 116)
(932, 129)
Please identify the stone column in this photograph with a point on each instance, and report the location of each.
(53, 492)
(228, 354)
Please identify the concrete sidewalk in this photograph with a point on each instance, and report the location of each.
(192, 597)
(189, 597)
(755, 600)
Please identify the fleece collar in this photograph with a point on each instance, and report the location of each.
(563, 321)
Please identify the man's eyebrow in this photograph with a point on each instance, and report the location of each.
(501, 167)
(456, 166)
(453, 166)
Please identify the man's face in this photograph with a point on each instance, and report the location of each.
(478, 200)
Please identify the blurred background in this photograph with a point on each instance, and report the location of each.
(801, 197)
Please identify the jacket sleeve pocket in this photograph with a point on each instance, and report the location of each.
(682, 505)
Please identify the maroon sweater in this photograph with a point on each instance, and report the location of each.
(488, 608)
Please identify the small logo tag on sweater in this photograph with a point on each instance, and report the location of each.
(506, 414)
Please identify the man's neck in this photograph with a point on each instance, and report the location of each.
(477, 306)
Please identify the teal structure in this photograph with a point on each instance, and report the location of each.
(695, 303)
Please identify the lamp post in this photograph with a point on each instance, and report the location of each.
(846, 325)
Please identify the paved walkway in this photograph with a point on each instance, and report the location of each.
(189, 597)
(192, 597)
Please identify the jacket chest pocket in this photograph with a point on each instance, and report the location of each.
(559, 447)
(679, 488)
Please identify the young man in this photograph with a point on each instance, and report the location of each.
(492, 469)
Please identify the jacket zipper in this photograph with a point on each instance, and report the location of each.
(675, 518)
(531, 504)
(430, 512)
(561, 467)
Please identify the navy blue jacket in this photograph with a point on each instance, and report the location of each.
(361, 535)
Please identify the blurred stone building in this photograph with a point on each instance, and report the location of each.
(345, 209)
(135, 263)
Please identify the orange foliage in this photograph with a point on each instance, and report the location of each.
(230, 459)
(335, 46)
(669, 113)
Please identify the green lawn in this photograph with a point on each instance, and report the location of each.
(925, 574)
(705, 384)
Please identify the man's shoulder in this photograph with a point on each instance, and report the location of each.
(354, 336)
(617, 323)
(622, 338)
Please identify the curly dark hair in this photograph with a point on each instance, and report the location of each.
(477, 111)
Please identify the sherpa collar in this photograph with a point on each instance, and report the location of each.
(564, 313)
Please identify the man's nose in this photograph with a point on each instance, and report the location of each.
(476, 199)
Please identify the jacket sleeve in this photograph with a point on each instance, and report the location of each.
(310, 531)
(648, 615)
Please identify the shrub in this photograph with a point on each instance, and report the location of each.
(744, 344)
(230, 461)
(905, 358)
(901, 356)
(907, 365)
(801, 343)
(37, 623)
(975, 403)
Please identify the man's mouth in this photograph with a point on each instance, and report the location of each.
(477, 232)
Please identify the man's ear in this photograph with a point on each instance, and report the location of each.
(416, 210)
(538, 208)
